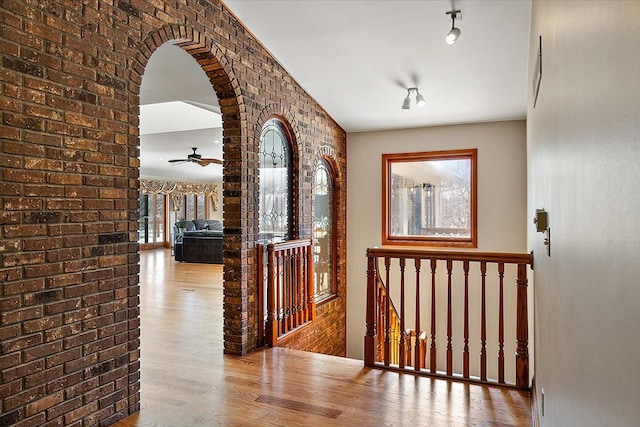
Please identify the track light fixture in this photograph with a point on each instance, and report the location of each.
(453, 35)
(420, 102)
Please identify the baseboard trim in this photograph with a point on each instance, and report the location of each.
(535, 421)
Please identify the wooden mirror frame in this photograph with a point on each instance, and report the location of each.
(388, 160)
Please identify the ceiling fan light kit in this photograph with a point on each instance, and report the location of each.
(196, 158)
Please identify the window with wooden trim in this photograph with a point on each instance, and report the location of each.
(430, 198)
(324, 232)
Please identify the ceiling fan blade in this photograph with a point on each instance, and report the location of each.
(177, 161)
(206, 162)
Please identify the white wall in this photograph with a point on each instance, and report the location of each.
(583, 154)
(501, 196)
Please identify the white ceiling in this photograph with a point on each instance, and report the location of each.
(357, 58)
(178, 110)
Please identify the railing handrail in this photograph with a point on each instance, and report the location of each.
(419, 253)
(289, 244)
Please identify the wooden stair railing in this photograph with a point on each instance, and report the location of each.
(390, 344)
(290, 302)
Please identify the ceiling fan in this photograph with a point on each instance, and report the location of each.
(196, 158)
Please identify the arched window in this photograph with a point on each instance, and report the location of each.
(323, 232)
(275, 183)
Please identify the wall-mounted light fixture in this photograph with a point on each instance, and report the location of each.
(453, 35)
(420, 102)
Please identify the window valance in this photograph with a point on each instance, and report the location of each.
(175, 190)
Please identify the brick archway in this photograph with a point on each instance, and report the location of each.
(213, 62)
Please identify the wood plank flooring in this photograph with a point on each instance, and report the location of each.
(188, 381)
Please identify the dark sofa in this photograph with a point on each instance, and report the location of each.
(201, 241)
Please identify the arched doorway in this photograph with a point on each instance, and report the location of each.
(220, 76)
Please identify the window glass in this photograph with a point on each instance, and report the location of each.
(200, 203)
(275, 183)
(323, 232)
(158, 223)
(430, 198)
(151, 222)
(190, 205)
(143, 222)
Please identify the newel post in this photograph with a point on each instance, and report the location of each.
(272, 311)
(522, 330)
(369, 339)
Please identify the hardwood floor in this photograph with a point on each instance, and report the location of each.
(187, 381)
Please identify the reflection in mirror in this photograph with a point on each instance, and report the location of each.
(430, 198)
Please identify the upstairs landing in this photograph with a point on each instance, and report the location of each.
(187, 381)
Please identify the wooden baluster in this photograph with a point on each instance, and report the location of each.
(302, 297)
(372, 291)
(387, 311)
(279, 290)
(311, 298)
(293, 283)
(402, 342)
(522, 330)
(283, 293)
(298, 286)
(417, 342)
(449, 320)
(465, 351)
(302, 285)
(294, 288)
(380, 324)
(483, 324)
(286, 269)
(433, 354)
(392, 340)
(501, 325)
(290, 281)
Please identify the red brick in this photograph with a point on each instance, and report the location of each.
(81, 412)
(38, 325)
(68, 64)
(21, 315)
(64, 280)
(64, 408)
(49, 269)
(42, 377)
(36, 163)
(10, 332)
(63, 357)
(43, 404)
(20, 371)
(36, 284)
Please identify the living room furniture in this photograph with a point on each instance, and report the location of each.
(201, 241)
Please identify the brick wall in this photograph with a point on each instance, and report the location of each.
(70, 74)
